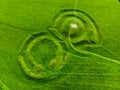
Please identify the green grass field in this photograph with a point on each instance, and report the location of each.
(30, 60)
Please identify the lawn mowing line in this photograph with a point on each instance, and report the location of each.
(12, 26)
(76, 2)
(80, 84)
(111, 51)
(3, 86)
(107, 36)
(87, 74)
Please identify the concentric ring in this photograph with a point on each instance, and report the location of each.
(74, 26)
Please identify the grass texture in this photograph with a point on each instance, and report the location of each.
(40, 51)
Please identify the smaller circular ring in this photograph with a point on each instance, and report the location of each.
(74, 26)
(34, 69)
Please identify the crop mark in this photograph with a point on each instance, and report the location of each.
(37, 70)
(97, 55)
(74, 28)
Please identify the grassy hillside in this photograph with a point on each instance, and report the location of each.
(30, 60)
